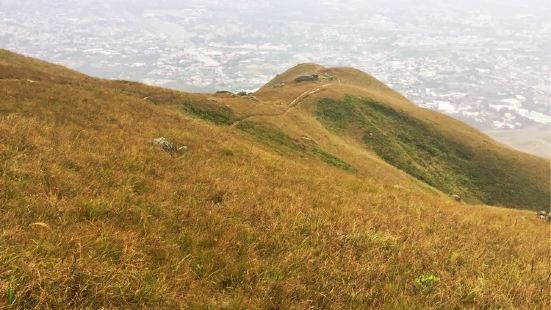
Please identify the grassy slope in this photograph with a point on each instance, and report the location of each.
(94, 215)
(439, 160)
(429, 146)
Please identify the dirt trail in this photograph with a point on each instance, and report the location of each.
(18, 80)
(291, 105)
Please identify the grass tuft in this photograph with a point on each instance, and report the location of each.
(427, 282)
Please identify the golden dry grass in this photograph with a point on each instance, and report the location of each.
(94, 215)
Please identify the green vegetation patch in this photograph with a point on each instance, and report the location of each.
(269, 135)
(332, 160)
(426, 282)
(337, 115)
(420, 150)
(213, 113)
(282, 143)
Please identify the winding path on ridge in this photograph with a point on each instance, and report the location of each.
(291, 105)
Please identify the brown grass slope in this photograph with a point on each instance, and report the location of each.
(93, 215)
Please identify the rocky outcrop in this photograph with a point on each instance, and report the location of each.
(169, 146)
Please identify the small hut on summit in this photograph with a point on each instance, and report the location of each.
(306, 78)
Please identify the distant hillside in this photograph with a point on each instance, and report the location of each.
(534, 140)
(329, 193)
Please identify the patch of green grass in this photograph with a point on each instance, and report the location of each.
(94, 209)
(281, 142)
(269, 136)
(110, 248)
(337, 116)
(212, 113)
(10, 294)
(332, 160)
(430, 156)
(149, 289)
(426, 282)
(227, 152)
(185, 241)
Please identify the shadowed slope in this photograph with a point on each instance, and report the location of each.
(493, 176)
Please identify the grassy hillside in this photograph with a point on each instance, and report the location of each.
(433, 148)
(260, 211)
(419, 149)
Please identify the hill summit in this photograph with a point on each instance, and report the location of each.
(323, 189)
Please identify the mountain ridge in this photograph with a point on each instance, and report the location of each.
(263, 200)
